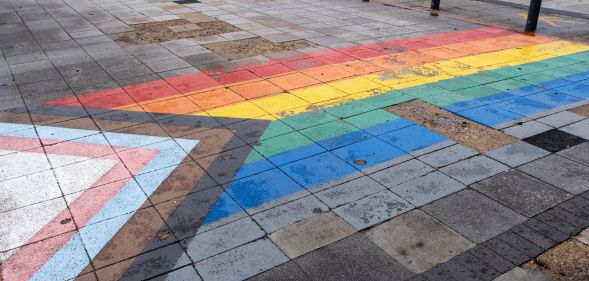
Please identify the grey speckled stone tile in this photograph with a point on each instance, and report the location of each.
(401, 173)
(560, 172)
(447, 156)
(517, 154)
(431, 187)
(349, 191)
(578, 153)
(283, 215)
(474, 169)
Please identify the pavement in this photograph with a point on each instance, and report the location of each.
(393, 143)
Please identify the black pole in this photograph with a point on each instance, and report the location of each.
(533, 15)
(435, 4)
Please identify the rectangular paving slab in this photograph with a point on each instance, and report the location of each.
(291, 212)
(459, 129)
(349, 191)
(428, 188)
(474, 169)
(418, 241)
(447, 156)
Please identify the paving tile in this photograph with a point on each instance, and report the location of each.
(474, 169)
(428, 188)
(447, 156)
(561, 119)
(580, 129)
(517, 154)
(183, 274)
(578, 153)
(349, 191)
(353, 258)
(373, 209)
(371, 155)
(521, 244)
(519, 274)
(418, 241)
(527, 129)
(289, 271)
(305, 236)
(278, 217)
(412, 138)
(320, 171)
(498, 262)
(473, 215)
(222, 239)
(546, 230)
(401, 173)
(521, 192)
(534, 236)
(242, 262)
(560, 172)
(477, 266)
(554, 140)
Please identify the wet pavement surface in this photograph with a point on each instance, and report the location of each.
(291, 140)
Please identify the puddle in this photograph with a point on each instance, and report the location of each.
(568, 261)
(162, 31)
(459, 129)
(246, 48)
(581, 110)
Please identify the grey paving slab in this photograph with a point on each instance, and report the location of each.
(403, 172)
(291, 212)
(473, 215)
(527, 129)
(474, 169)
(373, 209)
(561, 119)
(522, 193)
(242, 262)
(578, 153)
(580, 129)
(349, 191)
(169, 64)
(238, 35)
(352, 258)
(418, 241)
(78, 75)
(305, 236)
(447, 156)
(519, 274)
(289, 271)
(428, 188)
(187, 273)
(223, 238)
(517, 154)
(560, 172)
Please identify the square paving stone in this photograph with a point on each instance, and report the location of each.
(418, 241)
(353, 258)
(560, 172)
(554, 140)
(527, 129)
(289, 271)
(291, 212)
(580, 129)
(578, 153)
(517, 154)
(320, 171)
(401, 173)
(305, 236)
(521, 192)
(474, 169)
(431, 187)
(242, 262)
(349, 191)
(560, 119)
(373, 209)
(473, 215)
(412, 138)
(447, 156)
(223, 238)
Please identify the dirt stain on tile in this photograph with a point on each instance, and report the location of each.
(568, 261)
(162, 31)
(459, 129)
(252, 47)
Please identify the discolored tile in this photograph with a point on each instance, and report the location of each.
(521, 192)
(349, 191)
(428, 188)
(581, 110)
(517, 153)
(284, 215)
(447, 156)
(305, 236)
(473, 215)
(401, 173)
(418, 241)
(373, 209)
(457, 128)
(474, 169)
(554, 140)
(353, 258)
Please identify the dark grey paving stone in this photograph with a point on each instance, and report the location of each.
(578, 153)
(507, 251)
(521, 192)
(78, 75)
(546, 230)
(523, 245)
(185, 273)
(564, 221)
(554, 140)
(534, 236)
(289, 271)
(499, 263)
(473, 215)
(474, 169)
(479, 267)
(352, 258)
(560, 172)
(451, 270)
(517, 153)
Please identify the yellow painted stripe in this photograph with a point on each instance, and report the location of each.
(367, 85)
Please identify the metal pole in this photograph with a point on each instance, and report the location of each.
(435, 4)
(533, 15)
